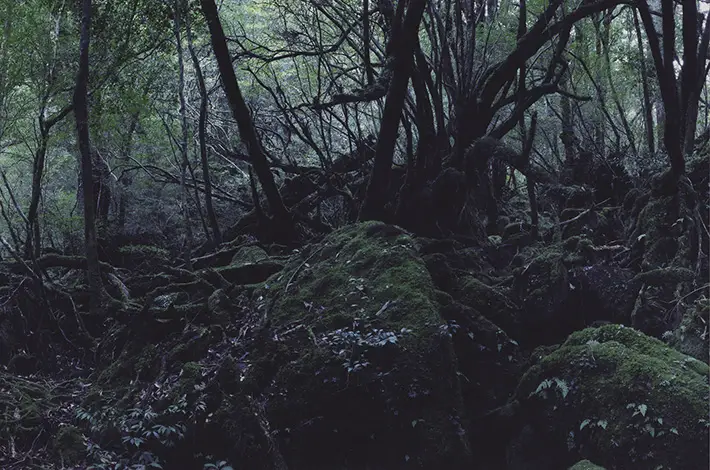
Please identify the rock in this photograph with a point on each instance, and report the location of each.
(603, 292)
(250, 254)
(220, 306)
(691, 336)
(361, 372)
(69, 444)
(585, 465)
(493, 303)
(250, 273)
(617, 397)
(543, 287)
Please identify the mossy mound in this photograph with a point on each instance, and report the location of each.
(145, 258)
(364, 374)
(542, 284)
(585, 465)
(691, 336)
(617, 397)
(491, 302)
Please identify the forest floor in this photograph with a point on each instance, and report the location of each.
(374, 347)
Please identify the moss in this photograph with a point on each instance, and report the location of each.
(492, 303)
(351, 276)
(337, 378)
(191, 372)
(622, 399)
(145, 363)
(661, 226)
(691, 336)
(69, 444)
(659, 277)
(249, 255)
(145, 250)
(585, 465)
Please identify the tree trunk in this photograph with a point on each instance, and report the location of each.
(202, 137)
(241, 114)
(184, 163)
(81, 113)
(647, 104)
(404, 40)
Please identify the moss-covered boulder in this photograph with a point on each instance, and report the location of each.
(250, 265)
(69, 444)
(361, 371)
(691, 336)
(249, 254)
(617, 397)
(543, 286)
(603, 292)
(585, 465)
(494, 303)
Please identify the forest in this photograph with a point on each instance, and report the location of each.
(354, 234)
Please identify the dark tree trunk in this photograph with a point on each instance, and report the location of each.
(647, 104)
(33, 243)
(81, 112)
(241, 114)
(125, 180)
(184, 163)
(369, 73)
(403, 42)
(202, 137)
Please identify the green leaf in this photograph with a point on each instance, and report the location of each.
(642, 409)
(602, 423)
(584, 424)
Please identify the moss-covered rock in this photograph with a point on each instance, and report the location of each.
(603, 292)
(69, 444)
(249, 254)
(362, 372)
(493, 303)
(543, 287)
(146, 258)
(691, 336)
(617, 397)
(585, 465)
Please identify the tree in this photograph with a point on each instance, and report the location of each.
(680, 94)
(81, 113)
(404, 39)
(241, 114)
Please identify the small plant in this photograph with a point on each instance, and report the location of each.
(548, 384)
(221, 465)
(143, 432)
(352, 345)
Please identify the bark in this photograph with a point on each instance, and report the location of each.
(202, 137)
(369, 73)
(403, 42)
(126, 180)
(81, 113)
(647, 104)
(241, 114)
(184, 163)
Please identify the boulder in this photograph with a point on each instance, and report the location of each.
(617, 397)
(360, 370)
